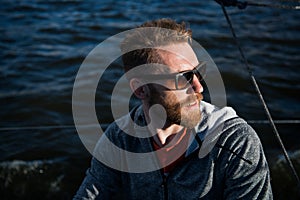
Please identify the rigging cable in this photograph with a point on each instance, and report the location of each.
(273, 6)
(72, 126)
(241, 5)
(244, 4)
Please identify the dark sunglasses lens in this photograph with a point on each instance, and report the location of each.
(200, 73)
(185, 79)
(199, 76)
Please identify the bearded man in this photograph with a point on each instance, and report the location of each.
(155, 148)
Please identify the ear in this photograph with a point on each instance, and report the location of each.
(140, 89)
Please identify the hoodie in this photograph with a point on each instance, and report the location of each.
(224, 160)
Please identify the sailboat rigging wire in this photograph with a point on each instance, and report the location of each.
(274, 6)
(260, 96)
(275, 121)
(72, 126)
(244, 4)
(23, 128)
(294, 1)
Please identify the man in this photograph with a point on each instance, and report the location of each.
(176, 126)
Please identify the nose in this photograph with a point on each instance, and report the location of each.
(196, 86)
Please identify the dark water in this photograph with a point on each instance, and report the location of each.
(43, 44)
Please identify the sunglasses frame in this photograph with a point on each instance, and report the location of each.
(199, 71)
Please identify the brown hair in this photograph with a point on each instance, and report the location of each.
(143, 41)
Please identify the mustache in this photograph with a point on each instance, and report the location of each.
(192, 98)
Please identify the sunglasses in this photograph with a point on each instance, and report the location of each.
(182, 79)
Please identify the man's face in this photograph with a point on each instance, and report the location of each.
(181, 106)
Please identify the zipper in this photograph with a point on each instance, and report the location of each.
(164, 186)
(165, 177)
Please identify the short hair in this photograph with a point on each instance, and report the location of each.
(144, 43)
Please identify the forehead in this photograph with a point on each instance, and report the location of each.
(178, 57)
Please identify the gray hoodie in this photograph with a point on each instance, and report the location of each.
(224, 160)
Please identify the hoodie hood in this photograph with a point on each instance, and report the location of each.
(208, 130)
(210, 127)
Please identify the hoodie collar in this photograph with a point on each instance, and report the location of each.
(209, 129)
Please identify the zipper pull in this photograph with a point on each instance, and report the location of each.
(164, 183)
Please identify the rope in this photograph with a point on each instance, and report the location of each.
(275, 121)
(244, 4)
(290, 164)
(45, 127)
(273, 6)
(70, 126)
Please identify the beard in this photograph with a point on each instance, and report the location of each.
(177, 111)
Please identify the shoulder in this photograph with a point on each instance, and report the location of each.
(237, 132)
(125, 124)
(127, 132)
(242, 160)
(240, 145)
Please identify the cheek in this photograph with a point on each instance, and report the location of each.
(172, 100)
(177, 96)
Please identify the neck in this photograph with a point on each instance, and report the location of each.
(163, 134)
(160, 127)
